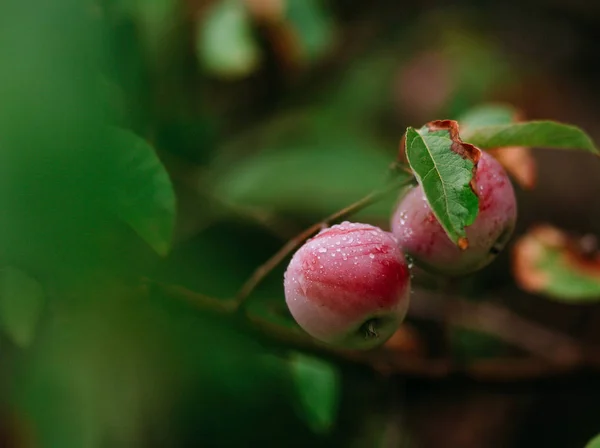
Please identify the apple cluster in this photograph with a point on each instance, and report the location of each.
(350, 284)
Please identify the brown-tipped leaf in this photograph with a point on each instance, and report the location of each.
(445, 167)
(562, 267)
(517, 160)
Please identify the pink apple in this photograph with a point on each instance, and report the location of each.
(422, 237)
(349, 286)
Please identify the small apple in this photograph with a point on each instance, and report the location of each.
(349, 286)
(422, 237)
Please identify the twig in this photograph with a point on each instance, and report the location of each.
(263, 270)
(493, 319)
(554, 353)
(271, 222)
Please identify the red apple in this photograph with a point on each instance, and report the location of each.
(422, 237)
(349, 286)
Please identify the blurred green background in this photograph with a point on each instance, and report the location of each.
(186, 141)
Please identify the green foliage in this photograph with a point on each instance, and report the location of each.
(156, 21)
(110, 380)
(549, 262)
(102, 359)
(594, 443)
(318, 391)
(544, 134)
(487, 115)
(313, 173)
(469, 345)
(225, 44)
(445, 177)
(565, 281)
(313, 25)
(143, 195)
(273, 312)
(21, 301)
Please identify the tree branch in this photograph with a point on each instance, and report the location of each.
(557, 348)
(263, 270)
(553, 353)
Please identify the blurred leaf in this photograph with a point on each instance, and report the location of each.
(272, 313)
(143, 194)
(594, 443)
(220, 258)
(114, 102)
(21, 302)
(225, 44)
(407, 340)
(487, 115)
(311, 174)
(155, 21)
(361, 91)
(470, 345)
(313, 25)
(444, 168)
(479, 66)
(123, 370)
(519, 163)
(318, 391)
(549, 262)
(543, 134)
(517, 160)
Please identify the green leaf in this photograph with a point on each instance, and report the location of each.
(313, 25)
(541, 134)
(487, 115)
(547, 262)
(318, 391)
(21, 302)
(470, 345)
(594, 443)
(306, 173)
(142, 193)
(156, 21)
(225, 45)
(445, 177)
(272, 313)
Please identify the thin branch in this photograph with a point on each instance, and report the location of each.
(553, 353)
(263, 270)
(277, 226)
(503, 323)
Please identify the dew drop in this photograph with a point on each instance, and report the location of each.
(322, 250)
(371, 256)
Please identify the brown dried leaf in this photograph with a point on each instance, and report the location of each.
(560, 266)
(519, 162)
(266, 10)
(406, 340)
